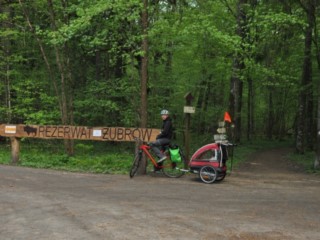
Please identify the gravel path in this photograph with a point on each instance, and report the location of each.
(265, 198)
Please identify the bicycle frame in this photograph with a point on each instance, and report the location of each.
(167, 167)
(145, 148)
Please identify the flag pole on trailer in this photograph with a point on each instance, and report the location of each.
(227, 118)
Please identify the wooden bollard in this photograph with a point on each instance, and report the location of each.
(15, 150)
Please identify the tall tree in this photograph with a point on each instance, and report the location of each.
(144, 65)
(144, 71)
(305, 111)
(5, 51)
(236, 83)
(317, 49)
(66, 78)
(62, 88)
(250, 90)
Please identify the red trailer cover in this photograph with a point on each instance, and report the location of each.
(209, 154)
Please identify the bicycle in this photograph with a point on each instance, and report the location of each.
(167, 167)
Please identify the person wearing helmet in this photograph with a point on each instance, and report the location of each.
(164, 137)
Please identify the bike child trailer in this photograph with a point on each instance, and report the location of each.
(209, 162)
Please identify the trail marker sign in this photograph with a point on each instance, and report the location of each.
(78, 132)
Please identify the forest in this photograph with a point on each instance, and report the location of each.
(119, 62)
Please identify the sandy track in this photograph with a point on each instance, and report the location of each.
(265, 198)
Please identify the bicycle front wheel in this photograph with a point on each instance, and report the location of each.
(135, 165)
(173, 169)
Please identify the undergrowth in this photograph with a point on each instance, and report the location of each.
(306, 161)
(89, 157)
(116, 158)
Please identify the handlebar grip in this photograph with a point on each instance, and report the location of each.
(229, 144)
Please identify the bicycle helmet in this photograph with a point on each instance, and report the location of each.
(164, 112)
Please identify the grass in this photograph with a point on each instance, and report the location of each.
(116, 158)
(243, 150)
(305, 160)
(89, 157)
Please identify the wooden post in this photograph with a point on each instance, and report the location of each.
(189, 99)
(15, 150)
(142, 170)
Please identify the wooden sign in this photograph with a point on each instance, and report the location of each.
(79, 132)
(219, 137)
(221, 130)
(221, 124)
(188, 109)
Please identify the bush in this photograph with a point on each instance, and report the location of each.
(89, 157)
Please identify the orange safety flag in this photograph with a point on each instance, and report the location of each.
(227, 117)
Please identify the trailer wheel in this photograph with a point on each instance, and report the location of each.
(208, 174)
(221, 177)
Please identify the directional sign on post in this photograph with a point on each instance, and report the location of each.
(222, 132)
(188, 109)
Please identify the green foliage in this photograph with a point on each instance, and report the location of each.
(94, 157)
(192, 45)
(108, 158)
(103, 18)
(108, 101)
(33, 104)
(5, 153)
(305, 161)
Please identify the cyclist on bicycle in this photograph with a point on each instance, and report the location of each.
(164, 137)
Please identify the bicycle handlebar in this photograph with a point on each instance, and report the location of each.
(229, 144)
(136, 139)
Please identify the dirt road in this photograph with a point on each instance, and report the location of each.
(266, 198)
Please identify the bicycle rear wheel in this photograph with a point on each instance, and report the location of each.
(135, 165)
(173, 169)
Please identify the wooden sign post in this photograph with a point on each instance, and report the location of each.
(15, 150)
(78, 132)
(187, 110)
(14, 132)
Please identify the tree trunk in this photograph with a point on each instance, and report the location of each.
(317, 158)
(311, 123)
(236, 84)
(305, 111)
(144, 65)
(317, 47)
(64, 95)
(144, 75)
(51, 73)
(270, 115)
(63, 64)
(6, 44)
(250, 123)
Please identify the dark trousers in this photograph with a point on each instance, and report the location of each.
(156, 146)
